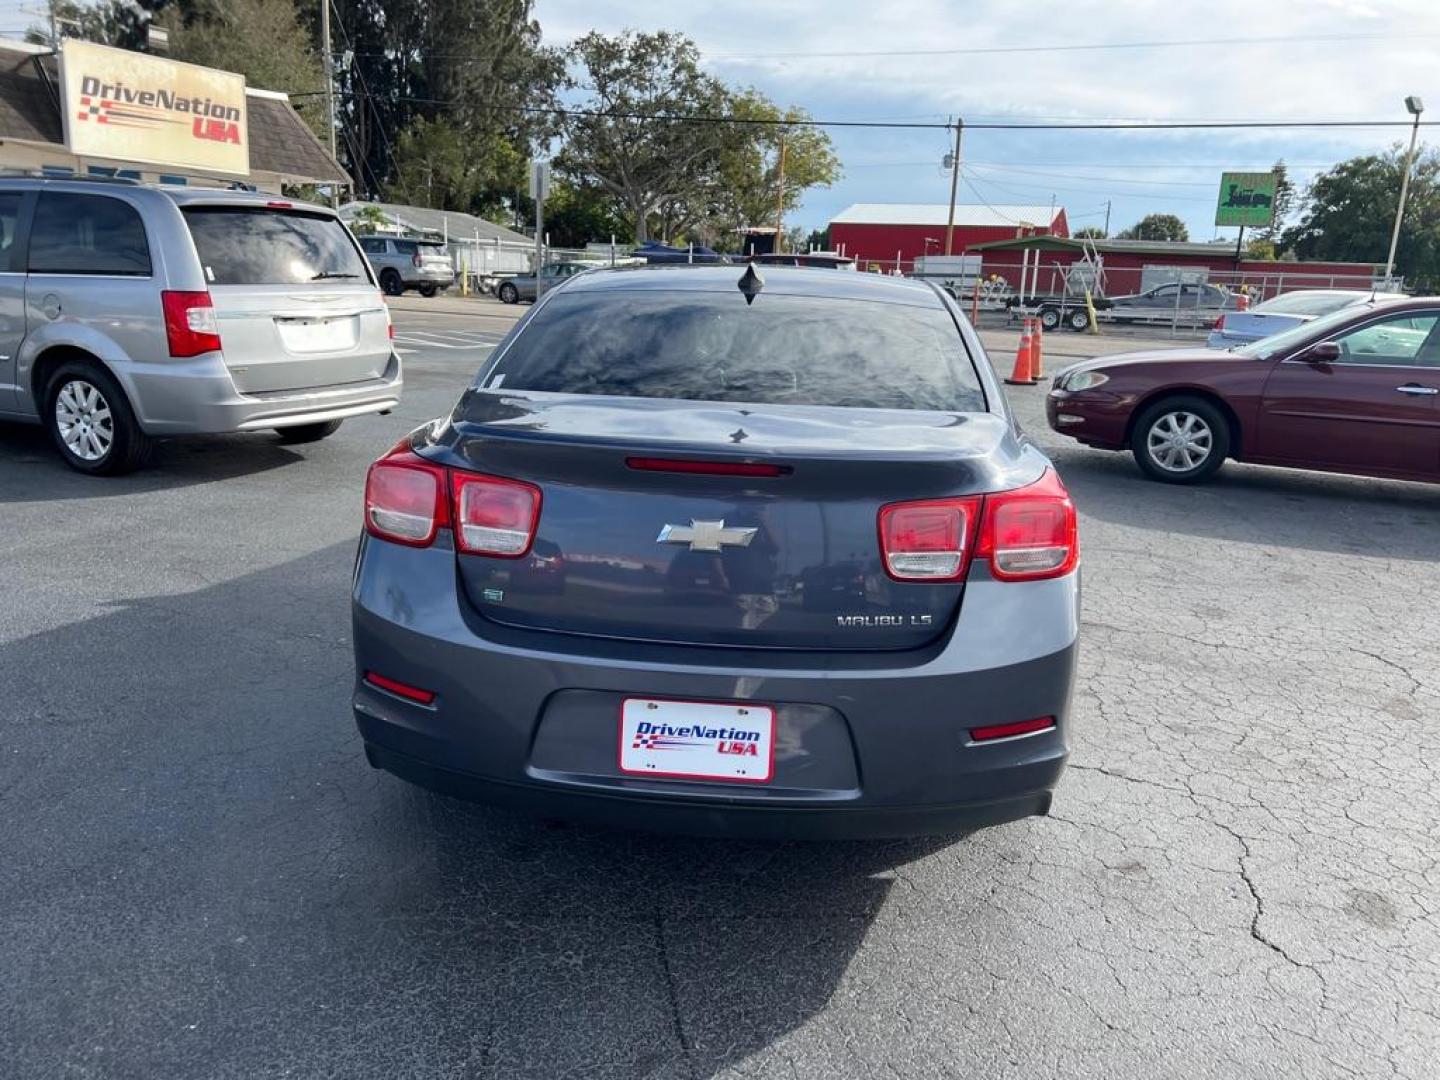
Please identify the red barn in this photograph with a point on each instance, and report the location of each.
(882, 232)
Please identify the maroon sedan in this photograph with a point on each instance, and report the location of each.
(1357, 391)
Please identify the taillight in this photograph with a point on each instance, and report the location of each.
(494, 516)
(928, 541)
(1027, 534)
(1219, 323)
(191, 327)
(405, 499)
(408, 500)
(1030, 533)
(415, 259)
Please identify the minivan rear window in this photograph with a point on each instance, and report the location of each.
(241, 245)
(711, 346)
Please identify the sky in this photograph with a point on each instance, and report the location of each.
(1236, 59)
(1242, 60)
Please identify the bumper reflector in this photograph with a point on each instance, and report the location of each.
(1010, 731)
(400, 689)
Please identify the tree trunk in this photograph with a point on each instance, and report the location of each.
(642, 232)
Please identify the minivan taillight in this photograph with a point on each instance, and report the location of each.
(494, 516)
(1026, 534)
(416, 260)
(191, 327)
(1030, 533)
(405, 499)
(928, 541)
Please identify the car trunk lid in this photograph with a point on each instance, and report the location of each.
(629, 547)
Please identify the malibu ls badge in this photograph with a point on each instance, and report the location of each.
(706, 535)
(884, 620)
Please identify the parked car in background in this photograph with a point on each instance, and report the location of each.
(1355, 391)
(522, 286)
(409, 264)
(832, 260)
(130, 311)
(1284, 311)
(702, 552)
(1190, 304)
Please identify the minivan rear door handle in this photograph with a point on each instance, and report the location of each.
(1416, 388)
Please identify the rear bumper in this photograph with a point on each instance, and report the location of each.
(443, 278)
(878, 749)
(741, 820)
(199, 397)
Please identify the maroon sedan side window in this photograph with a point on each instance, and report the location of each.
(1409, 339)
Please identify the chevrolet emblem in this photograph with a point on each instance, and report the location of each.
(706, 535)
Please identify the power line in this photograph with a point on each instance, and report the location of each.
(692, 118)
(1001, 50)
(1229, 42)
(1094, 179)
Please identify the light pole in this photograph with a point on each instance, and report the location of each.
(1415, 107)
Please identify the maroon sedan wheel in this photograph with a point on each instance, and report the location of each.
(1181, 440)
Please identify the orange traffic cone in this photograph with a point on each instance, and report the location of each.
(1037, 356)
(1021, 375)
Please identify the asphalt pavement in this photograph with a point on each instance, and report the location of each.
(200, 877)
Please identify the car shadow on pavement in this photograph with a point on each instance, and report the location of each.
(204, 878)
(1261, 505)
(31, 469)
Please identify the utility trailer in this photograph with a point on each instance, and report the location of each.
(1082, 292)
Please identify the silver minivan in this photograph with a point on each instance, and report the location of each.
(131, 311)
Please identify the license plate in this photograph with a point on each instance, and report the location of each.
(317, 335)
(697, 740)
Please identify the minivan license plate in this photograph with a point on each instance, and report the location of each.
(697, 740)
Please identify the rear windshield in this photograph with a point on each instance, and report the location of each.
(242, 246)
(1309, 303)
(700, 346)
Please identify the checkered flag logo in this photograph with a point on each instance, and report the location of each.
(88, 108)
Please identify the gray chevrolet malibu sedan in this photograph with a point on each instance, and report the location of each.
(707, 551)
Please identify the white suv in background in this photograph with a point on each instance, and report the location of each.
(130, 311)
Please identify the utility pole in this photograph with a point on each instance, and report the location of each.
(780, 201)
(954, 181)
(328, 61)
(1107, 218)
(1415, 107)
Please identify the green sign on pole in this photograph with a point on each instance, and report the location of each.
(1246, 198)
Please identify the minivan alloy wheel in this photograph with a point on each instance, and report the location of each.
(83, 416)
(1179, 441)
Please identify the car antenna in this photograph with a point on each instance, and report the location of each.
(751, 283)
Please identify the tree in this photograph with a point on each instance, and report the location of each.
(476, 64)
(1156, 227)
(110, 22)
(1089, 232)
(1349, 211)
(621, 143)
(575, 216)
(819, 239)
(368, 220)
(748, 175)
(1284, 204)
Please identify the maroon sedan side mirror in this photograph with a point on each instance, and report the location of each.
(1322, 352)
